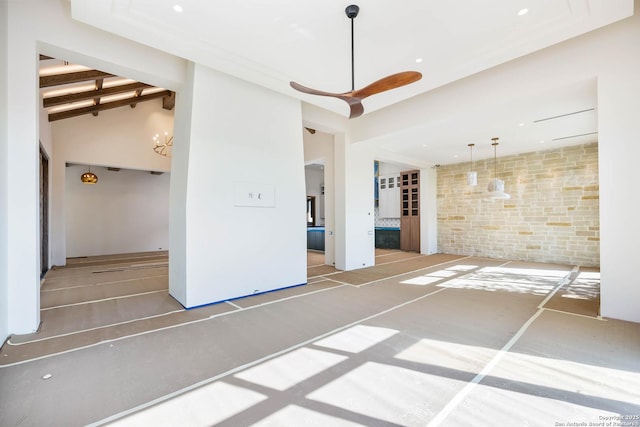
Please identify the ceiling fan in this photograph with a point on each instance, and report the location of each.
(354, 97)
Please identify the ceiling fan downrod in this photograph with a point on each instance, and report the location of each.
(352, 12)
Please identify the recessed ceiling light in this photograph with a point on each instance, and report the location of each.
(522, 12)
(455, 156)
(177, 8)
(521, 124)
(424, 145)
(541, 142)
(418, 60)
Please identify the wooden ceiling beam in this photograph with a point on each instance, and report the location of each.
(105, 106)
(79, 76)
(81, 96)
(168, 102)
(96, 100)
(135, 96)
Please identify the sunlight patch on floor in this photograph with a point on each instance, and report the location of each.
(357, 338)
(490, 406)
(388, 393)
(521, 280)
(571, 376)
(291, 368)
(430, 278)
(296, 416)
(448, 355)
(203, 406)
(586, 286)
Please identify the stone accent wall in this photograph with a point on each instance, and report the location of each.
(552, 216)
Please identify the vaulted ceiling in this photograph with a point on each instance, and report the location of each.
(71, 90)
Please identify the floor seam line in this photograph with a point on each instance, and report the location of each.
(102, 300)
(103, 283)
(87, 330)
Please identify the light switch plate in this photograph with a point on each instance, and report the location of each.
(250, 194)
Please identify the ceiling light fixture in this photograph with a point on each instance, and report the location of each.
(177, 8)
(164, 148)
(89, 177)
(472, 176)
(354, 97)
(523, 12)
(495, 189)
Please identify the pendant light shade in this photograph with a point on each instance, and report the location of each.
(472, 176)
(89, 177)
(495, 188)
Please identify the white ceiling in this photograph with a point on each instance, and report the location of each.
(273, 42)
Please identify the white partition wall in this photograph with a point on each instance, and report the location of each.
(355, 218)
(245, 194)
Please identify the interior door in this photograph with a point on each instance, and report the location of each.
(410, 210)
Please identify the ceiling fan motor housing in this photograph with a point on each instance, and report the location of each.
(352, 11)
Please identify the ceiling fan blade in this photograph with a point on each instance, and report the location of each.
(355, 97)
(355, 108)
(387, 83)
(304, 89)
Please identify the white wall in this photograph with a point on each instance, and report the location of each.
(355, 216)
(428, 211)
(4, 284)
(125, 211)
(619, 151)
(245, 136)
(122, 138)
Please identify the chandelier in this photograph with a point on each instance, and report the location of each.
(163, 146)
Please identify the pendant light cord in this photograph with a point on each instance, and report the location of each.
(495, 146)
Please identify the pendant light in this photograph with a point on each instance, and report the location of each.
(495, 189)
(89, 177)
(472, 176)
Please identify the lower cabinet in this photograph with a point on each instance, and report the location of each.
(315, 239)
(387, 238)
